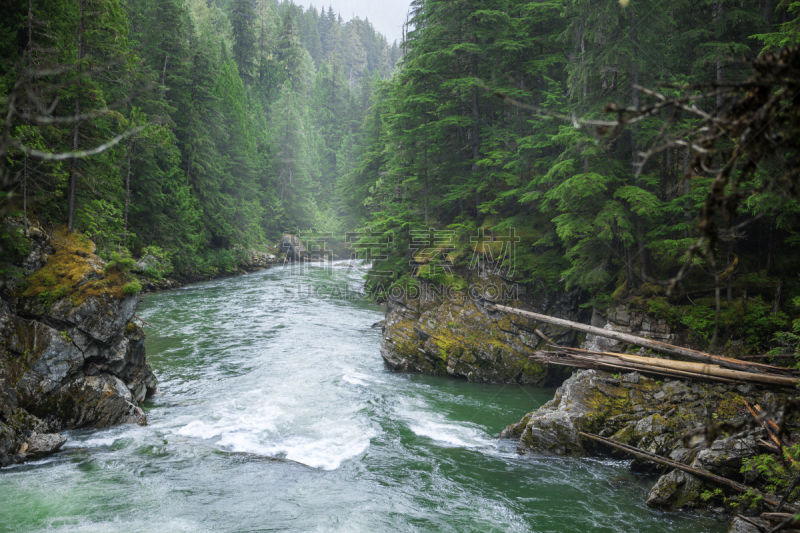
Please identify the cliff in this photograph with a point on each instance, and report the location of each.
(70, 355)
(447, 330)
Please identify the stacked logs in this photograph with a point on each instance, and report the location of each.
(616, 362)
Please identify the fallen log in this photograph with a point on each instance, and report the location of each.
(554, 358)
(566, 356)
(686, 468)
(727, 362)
(779, 517)
(785, 519)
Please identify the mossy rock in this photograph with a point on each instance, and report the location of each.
(72, 273)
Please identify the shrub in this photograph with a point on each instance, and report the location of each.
(132, 287)
(122, 262)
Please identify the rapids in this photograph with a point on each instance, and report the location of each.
(276, 414)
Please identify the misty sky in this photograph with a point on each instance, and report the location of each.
(387, 16)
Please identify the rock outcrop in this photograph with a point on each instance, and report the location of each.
(293, 247)
(639, 411)
(447, 329)
(70, 355)
(625, 320)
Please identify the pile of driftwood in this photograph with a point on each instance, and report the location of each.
(615, 362)
(703, 366)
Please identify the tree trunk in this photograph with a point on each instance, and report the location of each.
(426, 182)
(25, 195)
(717, 297)
(766, 13)
(730, 272)
(164, 73)
(769, 246)
(476, 117)
(777, 305)
(73, 178)
(719, 11)
(634, 38)
(725, 362)
(687, 188)
(127, 199)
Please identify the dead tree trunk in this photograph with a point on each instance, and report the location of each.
(661, 347)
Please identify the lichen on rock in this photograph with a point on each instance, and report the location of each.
(436, 329)
(69, 351)
(653, 416)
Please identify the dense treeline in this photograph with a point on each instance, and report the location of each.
(244, 113)
(238, 119)
(474, 134)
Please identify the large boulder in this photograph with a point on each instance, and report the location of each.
(69, 352)
(293, 247)
(581, 404)
(448, 330)
(725, 456)
(674, 491)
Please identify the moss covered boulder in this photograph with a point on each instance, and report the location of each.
(69, 351)
(655, 416)
(448, 330)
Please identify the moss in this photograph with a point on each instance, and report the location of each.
(534, 370)
(731, 407)
(68, 273)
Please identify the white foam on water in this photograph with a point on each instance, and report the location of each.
(424, 421)
(452, 434)
(200, 430)
(355, 381)
(92, 443)
(316, 427)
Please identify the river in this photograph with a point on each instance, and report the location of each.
(275, 413)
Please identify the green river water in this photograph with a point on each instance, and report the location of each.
(275, 413)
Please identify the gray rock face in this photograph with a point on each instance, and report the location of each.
(78, 362)
(101, 318)
(441, 330)
(639, 411)
(293, 247)
(674, 491)
(725, 455)
(743, 526)
(623, 320)
(42, 445)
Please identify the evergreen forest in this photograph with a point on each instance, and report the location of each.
(225, 123)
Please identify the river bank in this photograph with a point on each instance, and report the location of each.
(287, 396)
(70, 354)
(440, 334)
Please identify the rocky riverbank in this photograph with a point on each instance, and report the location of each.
(249, 261)
(444, 331)
(453, 332)
(653, 415)
(70, 354)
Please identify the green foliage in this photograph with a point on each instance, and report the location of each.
(132, 287)
(775, 474)
(213, 167)
(49, 297)
(121, 262)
